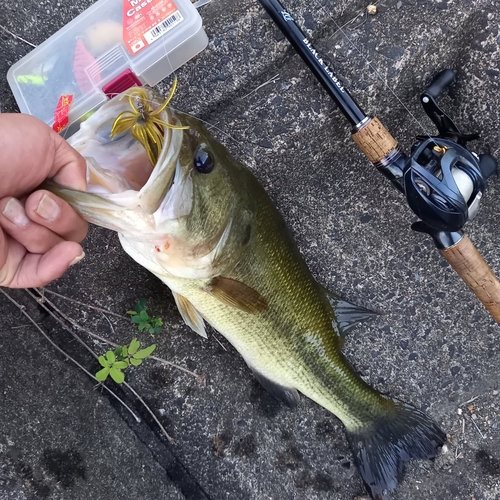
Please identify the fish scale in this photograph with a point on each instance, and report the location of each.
(306, 311)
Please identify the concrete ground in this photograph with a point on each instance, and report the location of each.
(435, 345)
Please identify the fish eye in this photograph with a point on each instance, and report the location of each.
(203, 161)
(103, 132)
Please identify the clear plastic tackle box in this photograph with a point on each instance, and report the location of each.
(110, 47)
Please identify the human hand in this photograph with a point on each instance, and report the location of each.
(39, 232)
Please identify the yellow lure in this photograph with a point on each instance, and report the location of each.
(144, 122)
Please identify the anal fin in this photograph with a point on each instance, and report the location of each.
(190, 315)
(288, 395)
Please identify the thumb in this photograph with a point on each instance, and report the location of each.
(69, 168)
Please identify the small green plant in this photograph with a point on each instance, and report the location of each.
(143, 320)
(114, 362)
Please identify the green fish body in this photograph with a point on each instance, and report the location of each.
(202, 223)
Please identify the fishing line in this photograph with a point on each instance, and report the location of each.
(374, 69)
(361, 13)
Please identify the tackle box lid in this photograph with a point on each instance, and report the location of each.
(110, 47)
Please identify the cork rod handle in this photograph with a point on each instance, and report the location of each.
(472, 268)
(374, 140)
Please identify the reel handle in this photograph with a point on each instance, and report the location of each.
(475, 272)
(445, 125)
(440, 81)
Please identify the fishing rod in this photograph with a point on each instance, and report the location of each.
(442, 180)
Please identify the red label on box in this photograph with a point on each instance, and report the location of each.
(145, 21)
(61, 113)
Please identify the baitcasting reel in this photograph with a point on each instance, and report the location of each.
(443, 180)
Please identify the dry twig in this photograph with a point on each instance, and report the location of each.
(53, 344)
(201, 378)
(17, 36)
(41, 301)
(46, 290)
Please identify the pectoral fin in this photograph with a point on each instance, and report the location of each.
(288, 395)
(236, 294)
(348, 315)
(190, 315)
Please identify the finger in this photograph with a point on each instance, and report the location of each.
(33, 152)
(36, 270)
(3, 249)
(69, 167)
(15, 253)
(34, 237)
(52, 212)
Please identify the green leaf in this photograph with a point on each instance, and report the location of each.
(136, 319)
(141, 305)
(158, 322)
(132, 313)
(103, 361)
(102, 375)
(142, 326)
(144, 315)
(110, 356)
(124, 351)
(144, 353)
(118, 352)
(135, 362)
(117, 375)
(157, 329)
(121, 365)
(134, 346)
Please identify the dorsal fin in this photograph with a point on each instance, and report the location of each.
(236, 294)
(348, 314)
(190, 314)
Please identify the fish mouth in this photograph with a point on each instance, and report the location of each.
(119, 167)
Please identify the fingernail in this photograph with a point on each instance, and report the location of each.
(77, 259)
(48, 208)
(14, 211)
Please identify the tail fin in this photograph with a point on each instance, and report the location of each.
(381, 451)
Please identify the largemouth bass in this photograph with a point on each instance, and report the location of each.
(202, 223)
